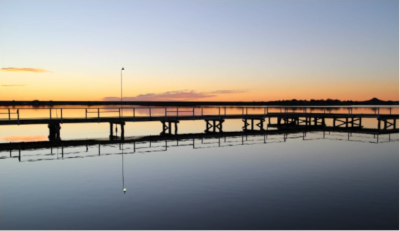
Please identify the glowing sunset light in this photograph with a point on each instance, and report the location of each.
(24, 69)
(25, 138)
(210, 51)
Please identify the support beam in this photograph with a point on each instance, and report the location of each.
(260, 124)
(167, 127)
(215, 126)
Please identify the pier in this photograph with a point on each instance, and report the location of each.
(170, 118)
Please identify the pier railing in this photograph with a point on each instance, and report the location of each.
(170, 112)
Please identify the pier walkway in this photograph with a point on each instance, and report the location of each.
(214, 122)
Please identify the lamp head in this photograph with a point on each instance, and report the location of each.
(122, 69)
(124, 190)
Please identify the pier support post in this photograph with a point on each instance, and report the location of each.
(246, 124)
(111, 130)
(54, 132)
(260, 124)
(167, 127)
(122, 124)
(122, 130)
(216, 124)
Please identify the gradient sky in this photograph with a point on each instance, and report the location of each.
(199, 50)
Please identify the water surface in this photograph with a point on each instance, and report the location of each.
(340, 181)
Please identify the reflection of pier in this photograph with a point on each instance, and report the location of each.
(214, 122)
(195, 140)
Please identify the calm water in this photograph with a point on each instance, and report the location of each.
(311, 182)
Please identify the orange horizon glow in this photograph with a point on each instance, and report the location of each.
(28, 93)
(25, 138)
(24, 69)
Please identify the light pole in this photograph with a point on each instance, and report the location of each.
(121, 92)
(122, 111)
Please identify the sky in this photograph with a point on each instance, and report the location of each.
(199, 50)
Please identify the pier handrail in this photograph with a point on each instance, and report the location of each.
(192, 110)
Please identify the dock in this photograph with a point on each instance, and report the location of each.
(213, 122)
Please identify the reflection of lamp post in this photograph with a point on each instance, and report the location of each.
(121, 91)
(123, 181)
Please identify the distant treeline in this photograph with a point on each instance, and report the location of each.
(293, 102)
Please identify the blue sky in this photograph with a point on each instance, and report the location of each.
(253, 47)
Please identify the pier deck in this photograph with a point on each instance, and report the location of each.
(214, 122)
(191, 117)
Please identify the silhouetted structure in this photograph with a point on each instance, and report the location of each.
(214, 123)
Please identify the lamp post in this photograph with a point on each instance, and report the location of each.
(122, 147)
(121, 92)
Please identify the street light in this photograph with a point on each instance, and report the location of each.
(121, 92)
(122, 111)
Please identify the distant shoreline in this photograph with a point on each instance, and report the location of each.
(373, 101)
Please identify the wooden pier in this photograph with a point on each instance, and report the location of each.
(213, 123)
